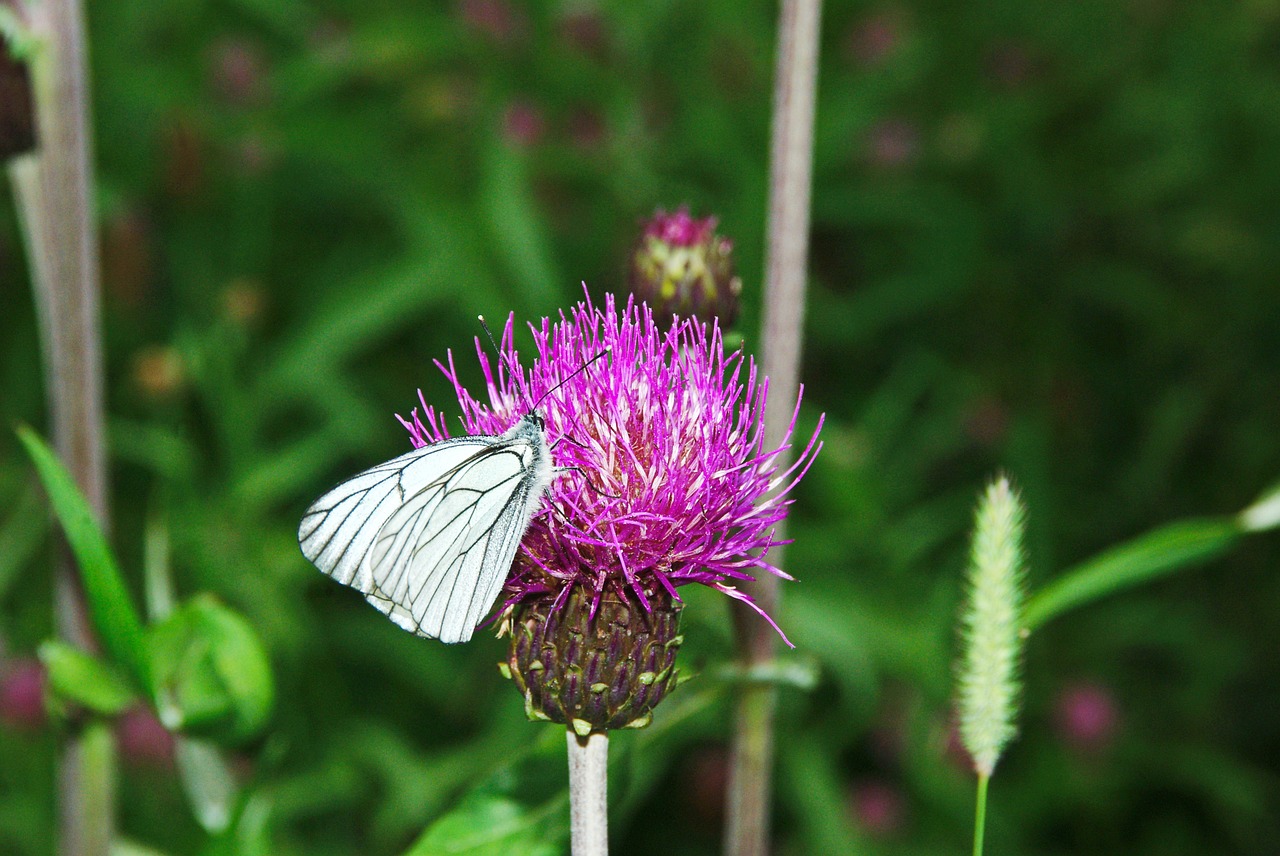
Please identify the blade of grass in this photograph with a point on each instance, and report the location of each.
(1170, 548)
(108, 599)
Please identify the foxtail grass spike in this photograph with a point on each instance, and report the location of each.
(989, 679)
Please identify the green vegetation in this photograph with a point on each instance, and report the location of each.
(1044, 242)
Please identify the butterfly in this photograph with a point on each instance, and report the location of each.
(429, 537)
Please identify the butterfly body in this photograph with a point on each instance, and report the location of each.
(429, 537)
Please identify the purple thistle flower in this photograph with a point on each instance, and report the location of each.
(664, 478)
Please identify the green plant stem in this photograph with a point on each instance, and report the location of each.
(790, 181)
(980, 815)
(55, 204)
(95, 765)
(588, 793)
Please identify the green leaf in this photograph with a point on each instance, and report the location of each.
(1264, 514)
(510, 812)
(819, 799)
(125, 847)
(114, 616)
(490, 825)
(213, 676)
(21, 534)
(1170, 548)
(81, 680)
(519, 233)
(23, 42)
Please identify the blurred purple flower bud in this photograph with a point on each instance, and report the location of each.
(523, 124)
(142, 739)
(878, 807)
(584, 30)
(330, 40)
(496, 20)
(1086, 717)
(22, 694)
(893, 144)
(238, 70)
(872, 41)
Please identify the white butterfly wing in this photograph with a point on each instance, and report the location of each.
(435, 560)
(429, 536)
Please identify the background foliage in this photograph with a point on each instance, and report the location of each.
(1045, 239)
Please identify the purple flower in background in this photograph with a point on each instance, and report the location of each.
(498, 20)
(664, 478)
(22, 684)
(523, 124)
(680, 266)
(1087, 716)
(893, 143)
(143, 740)
(878, 807)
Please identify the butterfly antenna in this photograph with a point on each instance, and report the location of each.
(484, 325)
(579, 370)
(502, 356)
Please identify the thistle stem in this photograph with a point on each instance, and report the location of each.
(588, 793)
(53, 189)
(980, 815)
(790, 181)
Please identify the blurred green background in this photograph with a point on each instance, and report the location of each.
(1045, 239)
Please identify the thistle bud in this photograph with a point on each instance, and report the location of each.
(682, 267)
(594, 669)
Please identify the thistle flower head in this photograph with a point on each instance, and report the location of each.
(681, 266)
(664, 479)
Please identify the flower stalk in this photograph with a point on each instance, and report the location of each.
(991, 624)
(588, 793)
(53, 189)
(980, 815)
(790, 187)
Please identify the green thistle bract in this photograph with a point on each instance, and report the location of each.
(595, 670)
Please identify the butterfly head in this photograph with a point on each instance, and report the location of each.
(535, 419)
